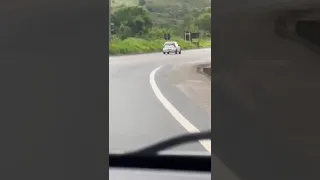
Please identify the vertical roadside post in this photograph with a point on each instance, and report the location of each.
(166, 36)
(198, 40)
(195, 36)
(187, 36)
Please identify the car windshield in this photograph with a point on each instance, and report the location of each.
(153, 96)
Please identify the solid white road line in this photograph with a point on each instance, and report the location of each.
(174, 112)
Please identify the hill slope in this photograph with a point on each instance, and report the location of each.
(178, 3)
(138, 26)
(167, 13)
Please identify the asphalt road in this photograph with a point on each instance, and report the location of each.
(137, 117)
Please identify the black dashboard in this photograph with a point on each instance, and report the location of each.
(169, 167)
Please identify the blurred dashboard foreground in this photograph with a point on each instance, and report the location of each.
(137, 174)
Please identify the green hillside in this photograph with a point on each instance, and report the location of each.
(167, 13)
(117, 3)
(139, 25)
(190, 3)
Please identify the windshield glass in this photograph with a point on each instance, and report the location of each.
(154, 96)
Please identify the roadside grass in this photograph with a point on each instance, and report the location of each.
(136, 45)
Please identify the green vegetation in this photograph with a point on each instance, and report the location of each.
(138, 26)
(139, 45)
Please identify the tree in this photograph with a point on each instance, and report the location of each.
(189, 24)
(135, 18)
(158, 32)
(124, 31)
(208, 9)
(204, 22)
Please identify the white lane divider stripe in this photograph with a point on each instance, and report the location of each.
(174, 112)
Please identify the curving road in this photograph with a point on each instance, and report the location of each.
(138, 116)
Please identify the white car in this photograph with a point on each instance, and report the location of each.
(171, 47)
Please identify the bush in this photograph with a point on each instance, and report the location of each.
(137, 45)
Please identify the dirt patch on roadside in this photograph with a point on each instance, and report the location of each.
(205, 69)
(195, 85)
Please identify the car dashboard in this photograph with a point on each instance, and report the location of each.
(151, 174)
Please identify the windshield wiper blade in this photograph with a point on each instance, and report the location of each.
(154, 149)
(149, 158)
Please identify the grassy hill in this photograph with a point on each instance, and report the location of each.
(180, 3)
(141, 28)
(167, 13)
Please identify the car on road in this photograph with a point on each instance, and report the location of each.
(171, 47)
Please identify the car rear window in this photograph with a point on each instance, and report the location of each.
(169, 45)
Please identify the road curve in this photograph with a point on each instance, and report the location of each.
(137, 117)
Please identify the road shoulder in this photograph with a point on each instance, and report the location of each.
(190, 79)
(188, 92)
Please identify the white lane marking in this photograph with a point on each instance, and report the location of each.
(174, 112)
